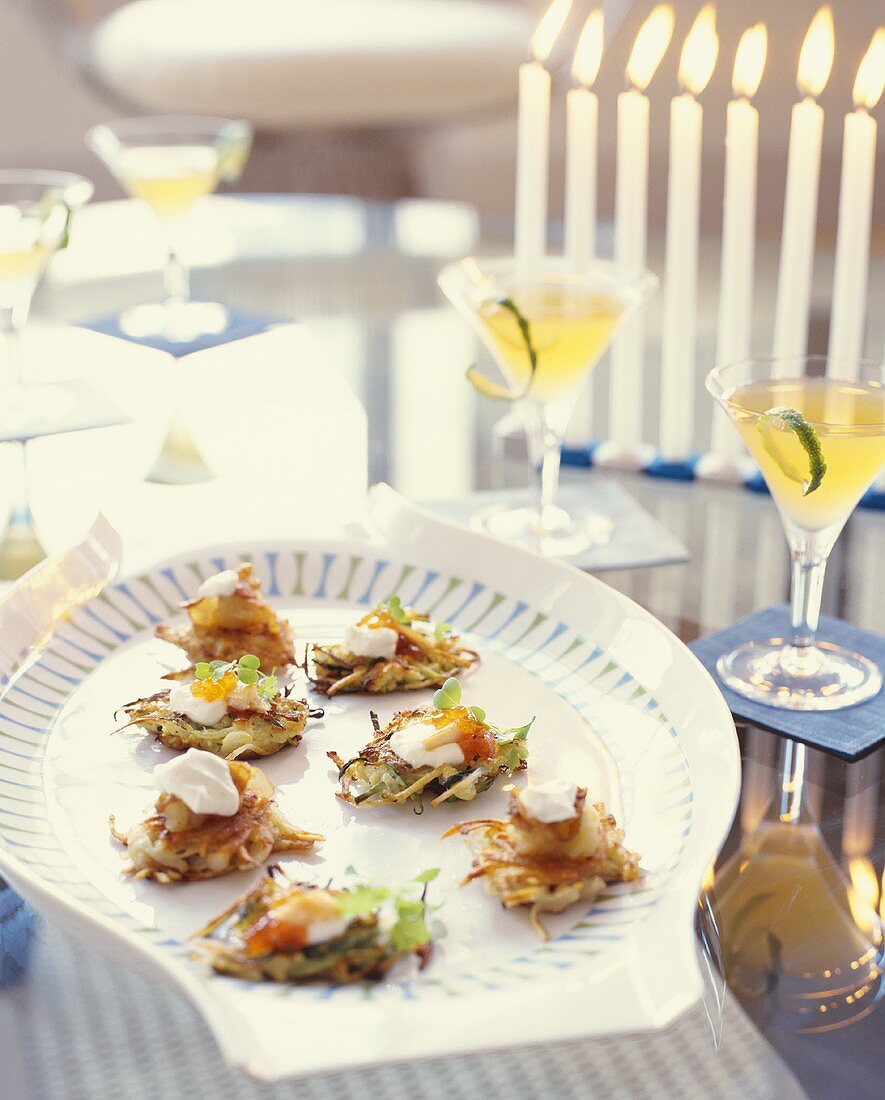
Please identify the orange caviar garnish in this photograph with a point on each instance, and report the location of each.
(269, 934)
(474, 738)
(378, 617)
(211, 690)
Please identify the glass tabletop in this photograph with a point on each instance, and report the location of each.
(789, 912)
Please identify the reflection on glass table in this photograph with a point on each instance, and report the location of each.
(797, 903)
(36, 208)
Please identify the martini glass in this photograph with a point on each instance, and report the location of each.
(545, 333)
(170, 162)
(817, 430)
(35, 216)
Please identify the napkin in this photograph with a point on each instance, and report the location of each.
(28, 613)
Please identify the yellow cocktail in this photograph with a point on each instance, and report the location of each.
(849, 421)
(570, 330)
(169, 178)
(23, 263)
(545, 332)
(817, 430)
(170, 162)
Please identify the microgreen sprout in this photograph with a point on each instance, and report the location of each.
(409, 932)
(448, 696)
(247, 669)
(395, 609)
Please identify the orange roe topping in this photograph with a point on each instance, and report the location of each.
(377, 618)
(211, 690)
(269, 934)
(474, 739)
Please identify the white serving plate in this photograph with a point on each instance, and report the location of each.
(621, 705)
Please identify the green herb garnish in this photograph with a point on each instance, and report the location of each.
(485, 386)
(448, 696)
(394, 608)
(247, 670)
(409, 932)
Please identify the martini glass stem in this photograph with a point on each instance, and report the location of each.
(176, 279)
(809, 566)
(545, 454)
(10, 324)
(808, 583)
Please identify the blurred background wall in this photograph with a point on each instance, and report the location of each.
(443, 70)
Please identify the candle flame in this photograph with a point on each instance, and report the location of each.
(588, 55)
(650, 46)
(863, 894)
(699, 52)
(548, 30)
(709, 877)
(816, 58)
(749, 61)
(870, 80)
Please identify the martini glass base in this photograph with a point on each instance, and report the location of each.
(814, 678)
(563, 535)
(176, 322)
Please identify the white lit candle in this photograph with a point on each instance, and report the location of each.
(800, 203)
(582, 125)
(738, 234)
(533, 144)
(681, 264)
(631, 222)
(855, 211)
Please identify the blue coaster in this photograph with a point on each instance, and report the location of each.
(756, 484)
(847, 733)
(579, 456)
(681, 470)
(874, 498)
(239, 326)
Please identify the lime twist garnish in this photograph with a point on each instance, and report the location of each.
(772, 427)
(485, 386)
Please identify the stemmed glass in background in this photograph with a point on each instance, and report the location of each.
(817, 430)
(36, 207)
(545, 333)
(170, 162)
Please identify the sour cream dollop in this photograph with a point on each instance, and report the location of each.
(366, 641)
(549, 802)
(205, 712)
(408, 744)
(202, 782)
(221, 584)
